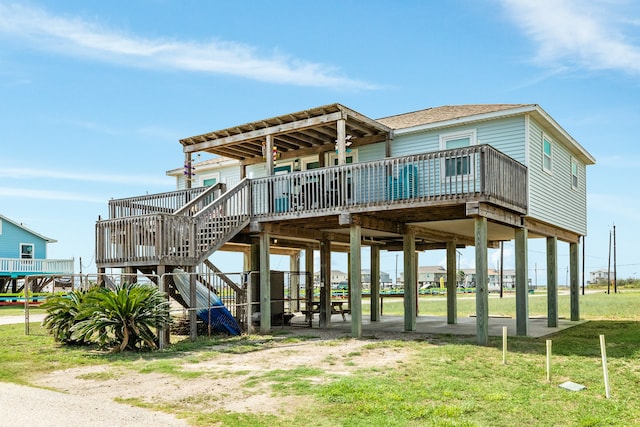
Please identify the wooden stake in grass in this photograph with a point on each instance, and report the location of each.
(549, 360)
(504, 345)
(603, 350)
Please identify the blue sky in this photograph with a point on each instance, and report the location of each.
(95, 95)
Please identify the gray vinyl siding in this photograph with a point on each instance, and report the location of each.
(258, 170)
(506, 135)
(230, 175)
(415, 143)
(371, 152)
(552, 198)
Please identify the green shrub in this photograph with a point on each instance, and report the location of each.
(121, 319)
(63, 312)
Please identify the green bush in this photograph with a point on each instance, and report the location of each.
(63, 312)
(121, 319)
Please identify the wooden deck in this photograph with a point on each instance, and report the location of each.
(185, 227)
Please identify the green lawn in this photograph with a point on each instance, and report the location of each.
(444, 381)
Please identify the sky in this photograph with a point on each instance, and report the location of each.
(94, 96)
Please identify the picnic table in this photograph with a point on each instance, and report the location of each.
(337, 307)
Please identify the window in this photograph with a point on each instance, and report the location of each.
(26, 251)
(574, 173)
(0, 227)
(352, 157)
(546, 154)
(349, 160)
(210, 179)
(457, 165)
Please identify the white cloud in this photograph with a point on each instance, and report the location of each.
(27, 173)
(595, 35)
(28, 193)
(73, 36)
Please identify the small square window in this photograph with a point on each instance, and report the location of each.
(26, 251)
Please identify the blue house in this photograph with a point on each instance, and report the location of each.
(23, 252)
(332, 179)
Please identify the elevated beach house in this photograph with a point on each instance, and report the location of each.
(23, 252)
(332, 179)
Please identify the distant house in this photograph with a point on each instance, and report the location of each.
(366, 277)
(598, 276)
(337, 276)
(23, 252)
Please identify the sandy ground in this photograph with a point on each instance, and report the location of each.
(85, 396)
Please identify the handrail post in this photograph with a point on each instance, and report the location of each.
(483, 170)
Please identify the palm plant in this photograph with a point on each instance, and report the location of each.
(63, 312)
(123, 318)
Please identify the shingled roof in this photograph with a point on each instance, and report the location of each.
(444, 113)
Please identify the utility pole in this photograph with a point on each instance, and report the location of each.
(501, 266)
(583, 245)
(609, 267)
(615, 265)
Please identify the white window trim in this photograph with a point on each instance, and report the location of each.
(304, 161)
(574, 161)
(214, 175)
(33, 250)
(0, 227)
(333, 156)
(472, 134)
(550, 169)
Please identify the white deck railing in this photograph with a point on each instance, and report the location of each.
(36, 266)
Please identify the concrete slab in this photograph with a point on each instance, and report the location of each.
(438, 325)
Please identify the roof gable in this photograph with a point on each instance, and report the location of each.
(47, 239)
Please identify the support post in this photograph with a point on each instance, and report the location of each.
(522, 282)
(482, 294)
(341, 126)
(254, 277)
(188, 171)
(265, 283)
(452, 298)
(355, 280)
(552, 282)
(269, 154)
(325, 284)
(294, 282)
(193, 306)
(375, 283)
(574, 289)
(309, 278)
(163, 330)
(410, 287)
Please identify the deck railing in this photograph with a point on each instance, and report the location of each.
(203, 200)
(153, 203)
(472, 173)
(174, 239)
(478, 173)
(36, 266)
